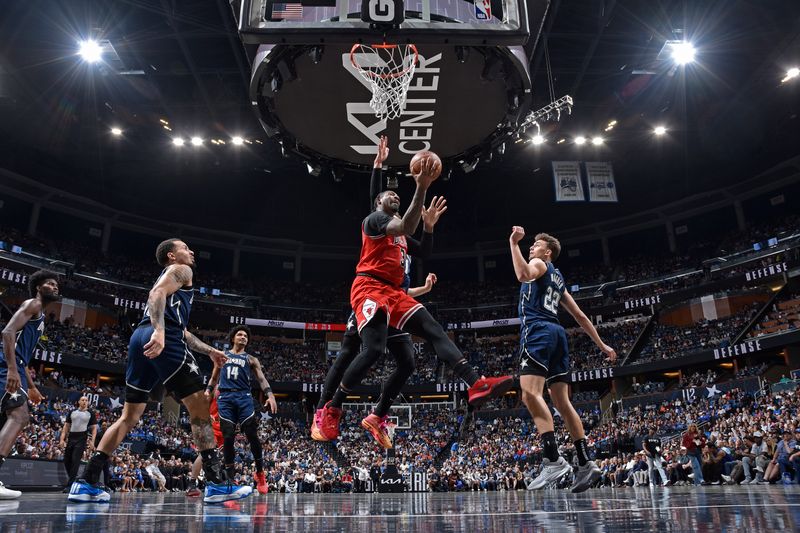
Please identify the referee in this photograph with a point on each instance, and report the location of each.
(80, 430)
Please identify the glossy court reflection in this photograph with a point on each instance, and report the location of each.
(775, 508)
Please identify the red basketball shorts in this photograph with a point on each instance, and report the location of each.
(368, 296)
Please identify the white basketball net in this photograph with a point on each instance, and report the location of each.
(388, 68)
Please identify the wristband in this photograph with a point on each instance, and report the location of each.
(268, 390)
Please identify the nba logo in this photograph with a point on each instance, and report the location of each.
(483, 9)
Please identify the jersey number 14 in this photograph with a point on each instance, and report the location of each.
(232, 372)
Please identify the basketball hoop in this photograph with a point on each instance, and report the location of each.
(388, 68)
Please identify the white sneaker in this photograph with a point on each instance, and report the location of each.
(585, 477)
(551, 472)
(725, 478)
(8, 494)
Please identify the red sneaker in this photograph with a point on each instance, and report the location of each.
(316, 433)
(377, 426)
(261, 483)
(330, 422)
(487, 388)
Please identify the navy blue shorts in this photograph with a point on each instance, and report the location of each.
(10, 401)
(235, 406)
(175, 368)
(544, 352)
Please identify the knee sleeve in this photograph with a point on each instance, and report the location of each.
(228, 429)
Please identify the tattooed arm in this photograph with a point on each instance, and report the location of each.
(175, 277)
(263, 384)
(196, 345)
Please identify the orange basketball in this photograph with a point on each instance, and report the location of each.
(416, 162)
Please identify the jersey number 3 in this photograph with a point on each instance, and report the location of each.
(551, 299)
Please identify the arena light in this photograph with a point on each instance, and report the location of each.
(197, 141)
(791, 74)
(90, 51)
(237, 141)
(178, 141)
(597, 141)
(580, 140)
(538, 139)
(116, 132)
(660, 130)
(562, 140)
(683, 53)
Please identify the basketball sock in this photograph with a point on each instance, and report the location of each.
(212, 466)
(259, 464)
(96, 464)
(582, 451)
(464, 370)
(550, 447)
(230, 471)
(338, 398)
(382, 407)
(2, 460)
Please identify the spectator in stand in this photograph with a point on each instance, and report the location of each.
(757, 460)
(694, 441)
(713, 460)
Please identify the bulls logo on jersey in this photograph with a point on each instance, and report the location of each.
(368, 309)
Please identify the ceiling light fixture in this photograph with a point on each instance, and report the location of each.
(660, 130)
(197, 141)
(580, 140)
(90, 51)
(791, 74)
(116, 131)
(237, 141)
(178, 141)
(597, 141)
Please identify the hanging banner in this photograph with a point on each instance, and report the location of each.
(568, 181)
(601, 182)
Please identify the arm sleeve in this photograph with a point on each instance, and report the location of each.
(375, 224)
(421, 249)
(374, 187)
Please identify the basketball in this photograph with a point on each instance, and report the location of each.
(416, 162)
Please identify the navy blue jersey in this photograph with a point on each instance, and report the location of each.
(235, 373)
(176, 310)
(407, 276)
(27, 339)
(539, 299)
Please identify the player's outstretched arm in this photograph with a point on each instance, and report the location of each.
(430, 281)
(583, 321)
(429, 171)
(196, 345)
(263, 384)
(28, 309)
(525, 271)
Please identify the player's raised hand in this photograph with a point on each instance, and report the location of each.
(218, 358)
(517, 234)
(155, 345)
(430, 281)
(431, 215)
(383, 152)
(430, 168)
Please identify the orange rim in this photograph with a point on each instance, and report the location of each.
(384, 46)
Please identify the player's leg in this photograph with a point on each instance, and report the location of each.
(418, 321)
(401, 348)
(249, 427)
(350, 343)
(373, 339)
(14, 416)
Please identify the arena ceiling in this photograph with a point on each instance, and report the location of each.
(179, 64)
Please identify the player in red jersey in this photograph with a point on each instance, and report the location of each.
(379, 301)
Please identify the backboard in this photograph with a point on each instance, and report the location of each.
(495, 22)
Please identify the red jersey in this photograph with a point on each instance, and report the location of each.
(382, 256)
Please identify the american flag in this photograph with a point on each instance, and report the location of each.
(287, 11)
